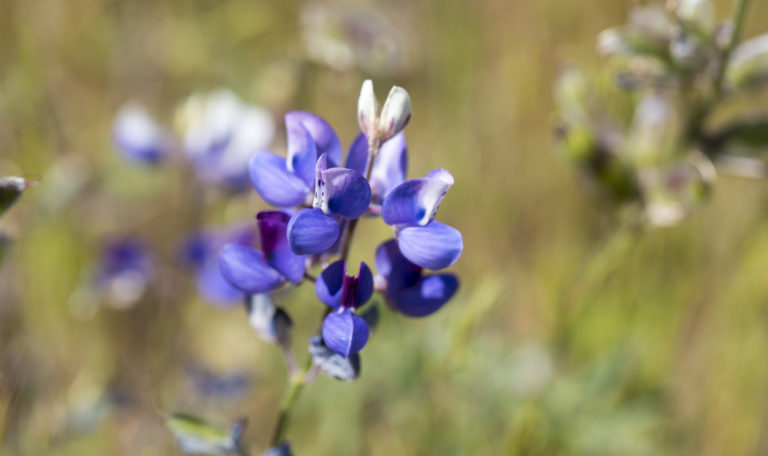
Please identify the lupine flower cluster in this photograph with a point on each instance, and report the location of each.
(656, 142)
(320, 199)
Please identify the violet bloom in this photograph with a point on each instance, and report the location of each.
(339, 193)
(124, 272)
(389, 169)
(200, 251)
(289, 182)
(411, 208)
(138, 137)
(220, 135)
(407, 289)
(343, 331)
(259, 271)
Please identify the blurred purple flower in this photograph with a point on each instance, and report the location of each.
(124, 271)
(138, 137)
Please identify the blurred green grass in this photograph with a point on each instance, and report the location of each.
(661, 351)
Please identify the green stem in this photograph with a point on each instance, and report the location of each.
(739, 17)
(295, 386)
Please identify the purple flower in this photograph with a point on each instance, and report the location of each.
(288, 182)
(338, 193)
(124, 271)
(343, 331)
(221, 134)
(200, 251)
(138, 137)
(390, 167)
(406, 288)
(411, 207)
(259, 271)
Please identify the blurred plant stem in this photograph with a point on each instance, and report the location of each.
(575, 302)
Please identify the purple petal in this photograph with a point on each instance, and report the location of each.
(137, 137)
(214, 287)
(329, 283)
(344, 332)
(365, 285)
(247, 270)
(273, 227)
(345, 193)
(326, 141)
(302, 153)
(310, 231)
(434, 246)
(275, 183)
(390, 167)
(357, 157)
(395, 268)
(415, 202)
(427, 296)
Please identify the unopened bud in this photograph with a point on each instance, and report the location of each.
(395, 114)
(367, 109)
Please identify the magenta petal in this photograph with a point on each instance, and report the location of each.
(247, 270)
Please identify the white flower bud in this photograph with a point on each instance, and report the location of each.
(367, 109)
(395, 114)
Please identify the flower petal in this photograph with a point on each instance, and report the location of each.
(427, 296)
(357, 156)
(326, 140)
(310, 231)
(365, 285)
(137, 136)
(273, 227)
(247, 270)
(434, 246)
(390, 167)
(212, 285)
(415, 202)
(344, 332)
(347, 193)
(274, 182)
(395, 268)
(302, 152)
(328, 286)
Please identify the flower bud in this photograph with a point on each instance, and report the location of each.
(11, 189)
(367, 109)
(748, 66)
(395, 114)
(697, 13)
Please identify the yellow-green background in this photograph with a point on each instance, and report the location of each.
(569, 336)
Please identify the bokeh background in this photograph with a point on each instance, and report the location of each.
(571, 334)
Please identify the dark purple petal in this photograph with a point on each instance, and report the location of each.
(311, 231)
(346, 193)
(328, 286)
(434, 246)
(247, 270)
(427, 296)
(273, 227)
(326, 140)
(275, 183)
(365, 285)
(214, 287)
(415, 202)
(302, 153)
(395, 268)
(137, 137)
(344, 332)
(390, 167)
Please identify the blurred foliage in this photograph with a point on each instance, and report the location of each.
(571, 334)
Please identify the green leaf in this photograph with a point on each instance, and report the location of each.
(196, 436)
